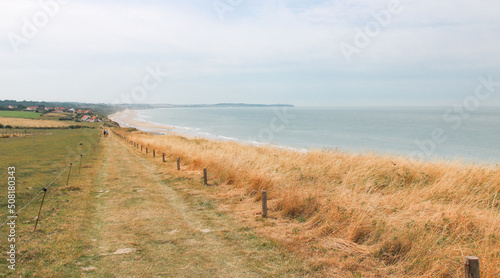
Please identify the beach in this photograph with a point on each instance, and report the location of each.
(128, 118)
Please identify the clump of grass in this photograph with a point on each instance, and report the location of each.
(413, 218)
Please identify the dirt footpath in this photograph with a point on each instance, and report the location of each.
(146, 224)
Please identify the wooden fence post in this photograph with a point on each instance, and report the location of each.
(472, 267)
(40, 211)
(178, 164)
(154, 153)
(146, 150)
(163, 157)
(80, 167)
(205, 179)
(69, 173)
(264, 204)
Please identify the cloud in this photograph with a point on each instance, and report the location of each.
(97, 50)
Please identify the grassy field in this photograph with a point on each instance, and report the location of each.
(122, 215)
(354, 215)
(20, 114)
(38, 160)
(42, 123)
(56, 116)
(331, 214)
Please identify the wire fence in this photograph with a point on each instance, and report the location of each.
(50, 184)
(8, 133)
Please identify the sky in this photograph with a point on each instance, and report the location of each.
(306, 53)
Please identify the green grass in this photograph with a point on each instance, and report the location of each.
(55, 116)
(38, 160)
(20, 114)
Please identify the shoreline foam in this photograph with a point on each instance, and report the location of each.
(129, 118)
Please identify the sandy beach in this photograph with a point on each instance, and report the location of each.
(128, 118)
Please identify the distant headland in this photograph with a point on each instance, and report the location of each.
(107, 109)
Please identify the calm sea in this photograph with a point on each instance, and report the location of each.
(423, 133)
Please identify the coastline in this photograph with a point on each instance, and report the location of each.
(132, 118)
(128, 118)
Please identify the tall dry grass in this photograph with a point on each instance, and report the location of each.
(370, 215)
(27, 123)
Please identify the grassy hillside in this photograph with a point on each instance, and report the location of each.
(20, 114)
(38, 161)
(122, 216)
(355, 215)
(56, 116)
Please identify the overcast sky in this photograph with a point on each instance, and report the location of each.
(360, 52)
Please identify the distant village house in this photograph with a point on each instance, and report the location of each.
(90, 119)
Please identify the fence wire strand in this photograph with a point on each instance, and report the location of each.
(47, 187)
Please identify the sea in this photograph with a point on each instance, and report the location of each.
(423, 133)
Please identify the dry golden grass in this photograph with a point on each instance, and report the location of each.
(147, 224)
(353, 214)
(19, 122)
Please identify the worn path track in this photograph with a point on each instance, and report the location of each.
(146, 225)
